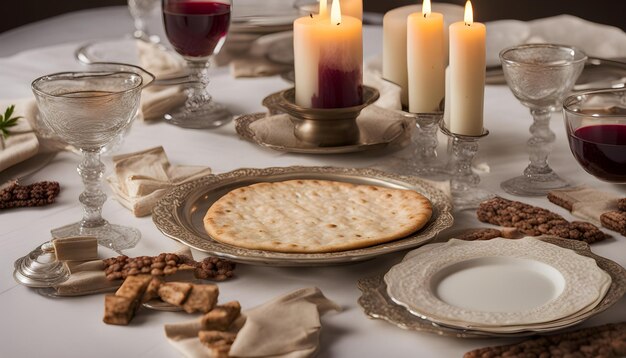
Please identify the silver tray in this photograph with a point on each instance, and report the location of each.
(377, 304)
(180, 213)
(397, 133)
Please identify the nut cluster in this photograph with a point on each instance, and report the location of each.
(605, 341)
(37, 194)
(621, 204)
(480, 234)
(211, 268)
(534, 221)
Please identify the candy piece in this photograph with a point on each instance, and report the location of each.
(118, 310)
(175, 292)
(614, 220)
(221, 317)
(202, 298)
(76, 248)
(218, 342)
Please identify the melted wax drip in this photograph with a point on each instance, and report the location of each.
(338, 89)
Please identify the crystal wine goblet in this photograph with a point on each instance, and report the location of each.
(140, 10)
(540, 75)
(197, 30)
(88, 110)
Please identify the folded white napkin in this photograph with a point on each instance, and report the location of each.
(140, 179)
(257, 61)
(158, 100)
(586, 203)
(22, 143)
(287, 327)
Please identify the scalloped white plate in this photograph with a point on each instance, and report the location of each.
(501, 284)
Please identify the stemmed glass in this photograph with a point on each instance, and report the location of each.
(140, 10)
(88, 110)
(540, 75)
(197, 30)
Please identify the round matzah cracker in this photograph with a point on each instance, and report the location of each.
(309, 216)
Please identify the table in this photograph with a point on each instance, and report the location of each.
(72, 327)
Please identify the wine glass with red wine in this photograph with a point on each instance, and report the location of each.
(595, 122)
(197, 30)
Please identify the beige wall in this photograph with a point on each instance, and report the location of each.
(19, 12)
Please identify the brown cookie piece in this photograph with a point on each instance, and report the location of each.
(614, 220)
(561, 200)
(36, 194)
(621, 204)
(221, 317)
(118, 310)
(608, 341)
(534, 221)
(152, 291)
(174, 292)
(218, 342)
(202, 298)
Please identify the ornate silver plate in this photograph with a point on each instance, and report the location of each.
(281, 137)
(376, 303)
(179, 215)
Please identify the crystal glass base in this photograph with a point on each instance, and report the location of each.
(470, 198)
(533, 186)
(40, 268)
(211, 115)
(115, 237)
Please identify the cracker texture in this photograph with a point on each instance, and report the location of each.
(315, 216)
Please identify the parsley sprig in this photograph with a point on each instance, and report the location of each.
(7, 121)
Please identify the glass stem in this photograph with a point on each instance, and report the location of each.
(140, 29)
(463, 153)
(426, 142)
(91, 170)
(197, 93)
(539, 145)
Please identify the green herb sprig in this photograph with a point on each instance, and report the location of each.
(7, 121)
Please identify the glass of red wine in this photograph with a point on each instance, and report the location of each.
(197, 30)
(595, 122)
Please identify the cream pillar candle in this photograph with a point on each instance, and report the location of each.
(425, 60)
(395, 68)
(328, 60)
(467, 75)
(352, 8)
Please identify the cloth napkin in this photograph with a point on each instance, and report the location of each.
(585, 203)
(140, 179)
(157, 100)
(287, 326)
(22, 143)
(87, 277)
(256, 62)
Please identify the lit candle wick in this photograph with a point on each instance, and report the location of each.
(426, 8)
(335, 12)
(469, 14)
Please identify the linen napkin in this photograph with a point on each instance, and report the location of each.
(257, 61)
(87, 277)
(157, 100)
(584, 202)
(22, 143)
(287, 326)
(140, 179)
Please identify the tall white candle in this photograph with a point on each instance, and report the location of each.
(425, 60)
(328, 56)
(395, 68)
(352, 8)
(467, 75)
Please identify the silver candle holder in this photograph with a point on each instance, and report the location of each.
(463, 181)
(323, 127)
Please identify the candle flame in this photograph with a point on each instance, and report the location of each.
(426, 8)
(335, 13)
(469, 13)
(323, 7)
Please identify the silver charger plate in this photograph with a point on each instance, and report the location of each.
(377, 304)
(179, 215)
(369, 139)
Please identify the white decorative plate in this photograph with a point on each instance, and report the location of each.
(496, 283)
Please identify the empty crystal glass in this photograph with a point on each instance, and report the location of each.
(540, 75)
(140, 10)
(88, 110)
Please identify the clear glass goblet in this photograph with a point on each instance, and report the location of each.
(197, 30)
(540, 76)
(88, 110)
(140, 10)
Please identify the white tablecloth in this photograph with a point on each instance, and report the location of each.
(72, 327)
